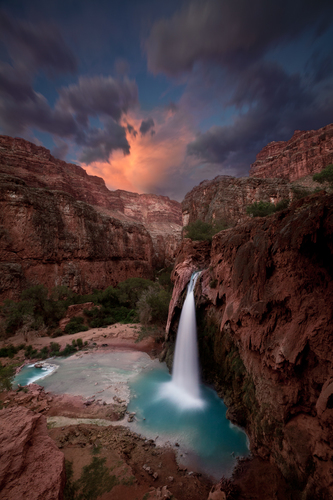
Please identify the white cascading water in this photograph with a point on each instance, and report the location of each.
(184, 387)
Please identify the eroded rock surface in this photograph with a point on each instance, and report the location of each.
(31, 465)
(38, 168)
(225, 198)
(307, 152)
(49, 237)
(265, 335)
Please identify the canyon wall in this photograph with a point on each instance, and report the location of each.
(306, 153)
(38, 168)
(49, 237)
(226, 198)
(264, 312)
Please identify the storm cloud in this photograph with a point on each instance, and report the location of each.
(230, 33)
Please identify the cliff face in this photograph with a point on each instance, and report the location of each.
(264, 310)
(38, 168)
(48, 237)
(226, 198)
(306, 153)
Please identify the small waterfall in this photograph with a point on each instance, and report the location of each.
(184, 387)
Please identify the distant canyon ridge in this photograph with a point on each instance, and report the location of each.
(61, 226)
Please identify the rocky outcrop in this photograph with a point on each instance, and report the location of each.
(306, 153)
(225, 198)
(38, 168)
(31, 465)
(48, 237)
(264, 310)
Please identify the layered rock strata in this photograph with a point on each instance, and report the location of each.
(306, 153)
(38, 168)
(49, 237)
(264, 309)
(225, 198)
(31, 465)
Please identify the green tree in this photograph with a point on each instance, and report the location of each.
(326, 175)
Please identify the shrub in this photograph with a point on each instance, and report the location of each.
(200, 230)
(213, 283)
(260, 209)
(76, 325)
(6, 375)
(79, 343)
(282, 205)
(154, 305)
(326, 175)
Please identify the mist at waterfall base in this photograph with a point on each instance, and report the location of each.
(179, 409)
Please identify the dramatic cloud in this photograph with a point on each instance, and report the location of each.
(156, 164)
(97, 95)
(146, 125)
(230, 33)
(35, 46)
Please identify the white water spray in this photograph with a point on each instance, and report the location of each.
(184, 388)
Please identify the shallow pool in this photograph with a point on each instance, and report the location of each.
(206, 441)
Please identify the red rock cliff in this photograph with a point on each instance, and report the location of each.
(49, 237)
(226, 198)
(306, 153)
(264, 306)
(38, 168)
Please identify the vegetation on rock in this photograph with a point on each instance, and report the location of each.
(326, 175)
(200, 230)
(264, 208)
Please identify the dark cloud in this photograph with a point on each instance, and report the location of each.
(146, 125)
(99, 143)
(231, 33)
(276, 104)
(132, 130)
(319, 66)
(97, 95)
(60, 149)
(36, 46)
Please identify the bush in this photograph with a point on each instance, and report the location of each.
(203, 231)
(6, 375)
(326, 175)
(154, 305)
(282, 205)
(76, 325)
(260, 209)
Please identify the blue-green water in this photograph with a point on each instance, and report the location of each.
(208, 442)
(30, 374)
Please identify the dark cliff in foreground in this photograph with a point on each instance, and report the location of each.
(264, 310)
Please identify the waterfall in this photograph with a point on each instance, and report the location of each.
(185, 373)
(184, 387)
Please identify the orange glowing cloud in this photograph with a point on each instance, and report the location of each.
(155, 160)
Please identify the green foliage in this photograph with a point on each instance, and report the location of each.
(200, 230)
(164, 278)
(154, 305)
(260, 209)
(9, 351)
(326, 175)
(6, 375)
(264, 208)
(94, 481)
(76, 325)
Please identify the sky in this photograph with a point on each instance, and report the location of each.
(156, 96)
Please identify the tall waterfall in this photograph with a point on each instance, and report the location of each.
(184, 387)
(185, 373)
